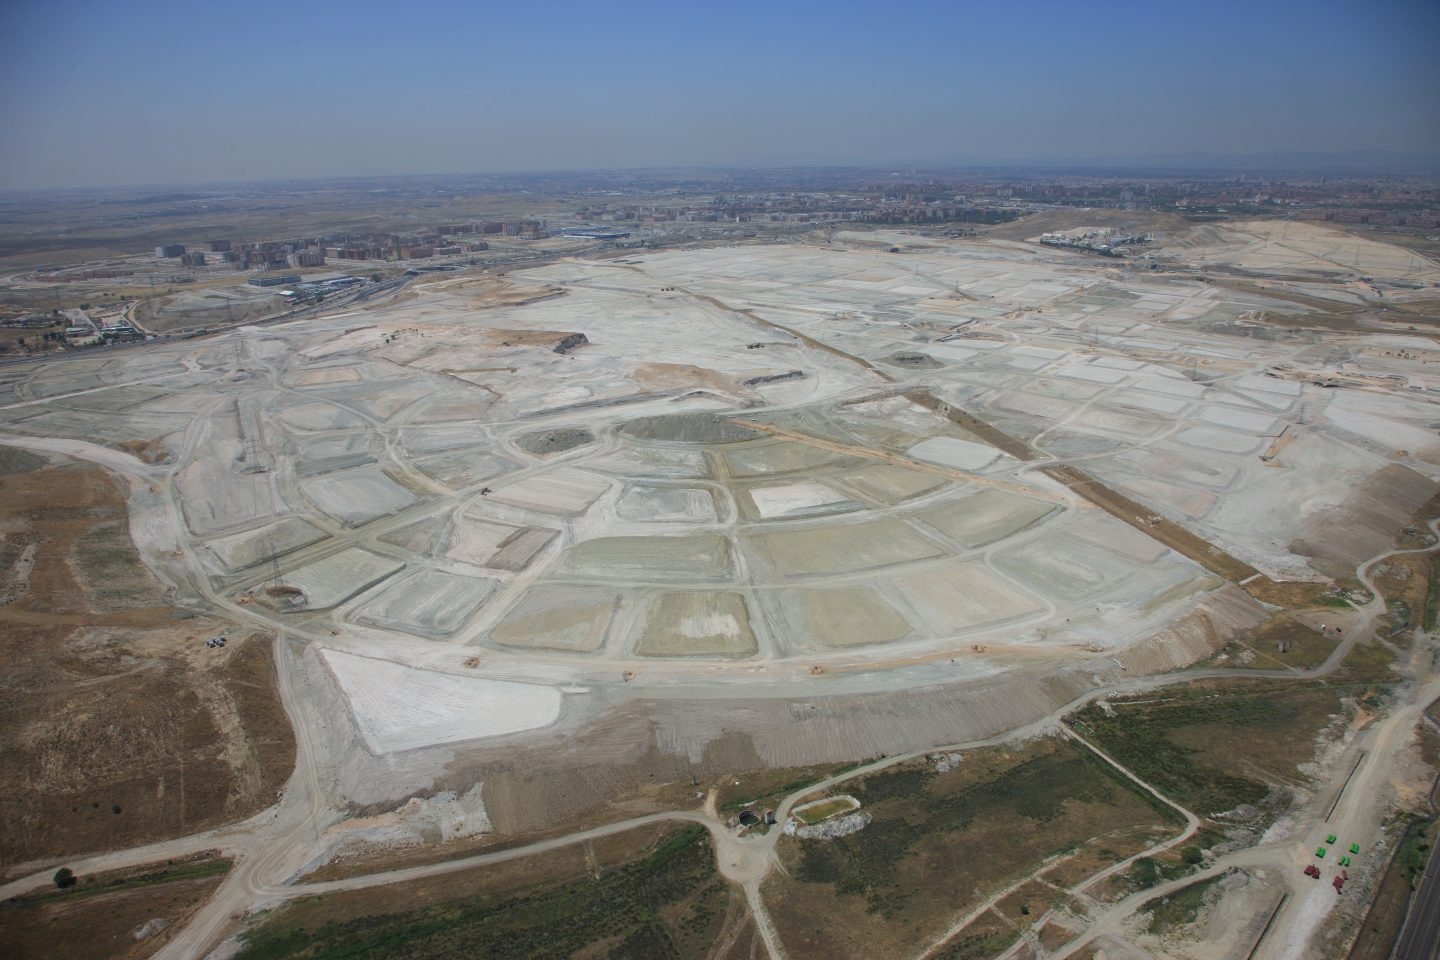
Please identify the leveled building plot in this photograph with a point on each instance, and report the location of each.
(656, 504)
(1092, 374)
(1272, 401)
(330, 453)
(650, 558)
(1170, 387)
(1045, 407)
(967, 595)
(1264, 384)
(500, 546)
(761, 459)
(1240, 419)
(801, 499)
(701, 624)
(558, 617)
(432, 603)
(517, 551)
(1102, 530)
(311, 417)
(565, 493)
(256, 546)
(840, 617)
(422, 536)
(356, 497)
(321, 378)
(1140, 400)
(340, 576)
(841, 548)
(953, 452)
(1062, 566)
(462, 468)
(653, 462)
(1114, 423)
(887, 484)
(1172, 498)
(427, 440)
(1209, 471)
(1206, 438)
(401, 708)
(216, 498)
(985, 517)
(949, 353)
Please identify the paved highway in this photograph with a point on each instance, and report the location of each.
(1420, 939)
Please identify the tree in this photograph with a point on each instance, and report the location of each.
(64, 878)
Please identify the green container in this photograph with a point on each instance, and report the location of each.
(1320, 852)
(1330, 839)
(1354, 848)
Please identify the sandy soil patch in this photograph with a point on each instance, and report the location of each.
(400, 708)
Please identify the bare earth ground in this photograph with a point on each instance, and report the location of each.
(125, 914)
(118, 725)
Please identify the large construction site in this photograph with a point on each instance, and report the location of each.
(703, 535)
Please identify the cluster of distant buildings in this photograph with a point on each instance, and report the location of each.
(299, 290)
(913, 207)
(446, 239)
(1107, 243)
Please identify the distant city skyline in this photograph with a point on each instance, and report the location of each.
(149, 92)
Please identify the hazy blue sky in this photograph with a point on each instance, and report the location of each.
(145, 91)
